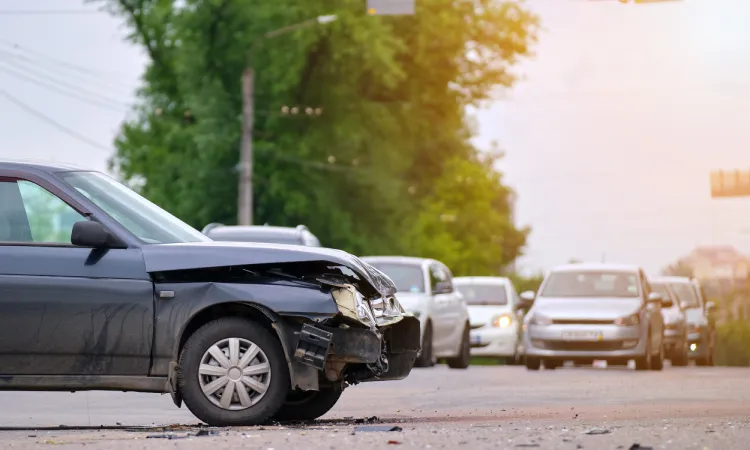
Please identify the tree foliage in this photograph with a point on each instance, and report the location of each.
(377, 170)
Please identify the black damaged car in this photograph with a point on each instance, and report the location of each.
(100, 289)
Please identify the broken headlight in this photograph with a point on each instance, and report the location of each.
(353, 305)
(387, 310)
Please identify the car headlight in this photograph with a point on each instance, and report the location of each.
(353, 305)
(628, 321)
(538, 319)
(503, 321)
(386, 310)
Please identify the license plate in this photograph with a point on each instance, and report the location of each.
(476, 339)
(582, 336)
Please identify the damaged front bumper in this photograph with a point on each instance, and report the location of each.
(370, 340)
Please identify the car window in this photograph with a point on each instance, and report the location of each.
(591, 284)
(30, 213)
(407, 277)
(484, 294)
(686, 295)
(438, 274)
(663, 289)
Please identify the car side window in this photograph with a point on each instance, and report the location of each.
(448, 276)
(645, 285)
(700, 294)
(29, 213)
(437, 275)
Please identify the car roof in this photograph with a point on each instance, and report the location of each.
(396, 259)
(253, 230)
(588, 267)
(500, 281)
(671, 279)
(43, 166)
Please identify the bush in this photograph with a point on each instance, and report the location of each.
(733, 344)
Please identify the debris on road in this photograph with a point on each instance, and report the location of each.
(372, 419)
(637, 446)
(378, 428)
(597, 431)
(392, 442)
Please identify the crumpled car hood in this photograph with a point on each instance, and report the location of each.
(197, 255)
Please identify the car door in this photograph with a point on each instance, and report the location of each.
(654, 312)
(66, 310)
(441, 313)
(457, 313)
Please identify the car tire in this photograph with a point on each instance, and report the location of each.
(657, 360)
(305, 406)
(202, 366)
(463, 359)
(532, 363)
(707, 360)
(681, 357)
(425, 357)
(644, 362)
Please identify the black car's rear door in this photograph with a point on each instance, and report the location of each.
(66, 310)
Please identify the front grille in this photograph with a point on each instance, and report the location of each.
(582, 322)
(603, 346)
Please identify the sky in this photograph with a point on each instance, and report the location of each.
(610, 137)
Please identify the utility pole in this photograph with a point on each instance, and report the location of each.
(245, 181)
(245, 194)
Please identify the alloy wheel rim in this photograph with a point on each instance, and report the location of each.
(234, 374)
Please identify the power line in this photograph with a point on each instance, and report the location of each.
(21, 59)
(43, 75)
(58, 62)
(57, 89)
(43, 117)
(49, 12)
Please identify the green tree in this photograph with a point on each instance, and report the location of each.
(465, 220)
(526, 283)
(393, 92)
(680, 268)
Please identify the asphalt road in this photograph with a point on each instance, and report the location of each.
(482, 407)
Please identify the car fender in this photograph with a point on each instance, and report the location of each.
(180, 304)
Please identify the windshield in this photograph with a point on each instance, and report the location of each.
(591, 284)
(487, 294)
(663, 289)
(407, 277)
(144, 219)
(685, 295)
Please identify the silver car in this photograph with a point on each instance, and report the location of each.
(588, 312)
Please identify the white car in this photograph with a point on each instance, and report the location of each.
(425, 288)
(495, 322)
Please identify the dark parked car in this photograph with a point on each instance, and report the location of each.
(261, 233)
(100, 289)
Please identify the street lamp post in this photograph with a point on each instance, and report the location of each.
(245, 188)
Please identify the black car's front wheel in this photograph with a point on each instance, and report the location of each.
(233, 372)
(303, 406)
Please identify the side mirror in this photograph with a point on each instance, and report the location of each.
(667, 302)
(655, 297)
(87, 233)
(710, 306)
(443, 287)
(527, 299)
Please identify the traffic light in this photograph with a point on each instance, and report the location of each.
(734, 183)
(391, 7)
